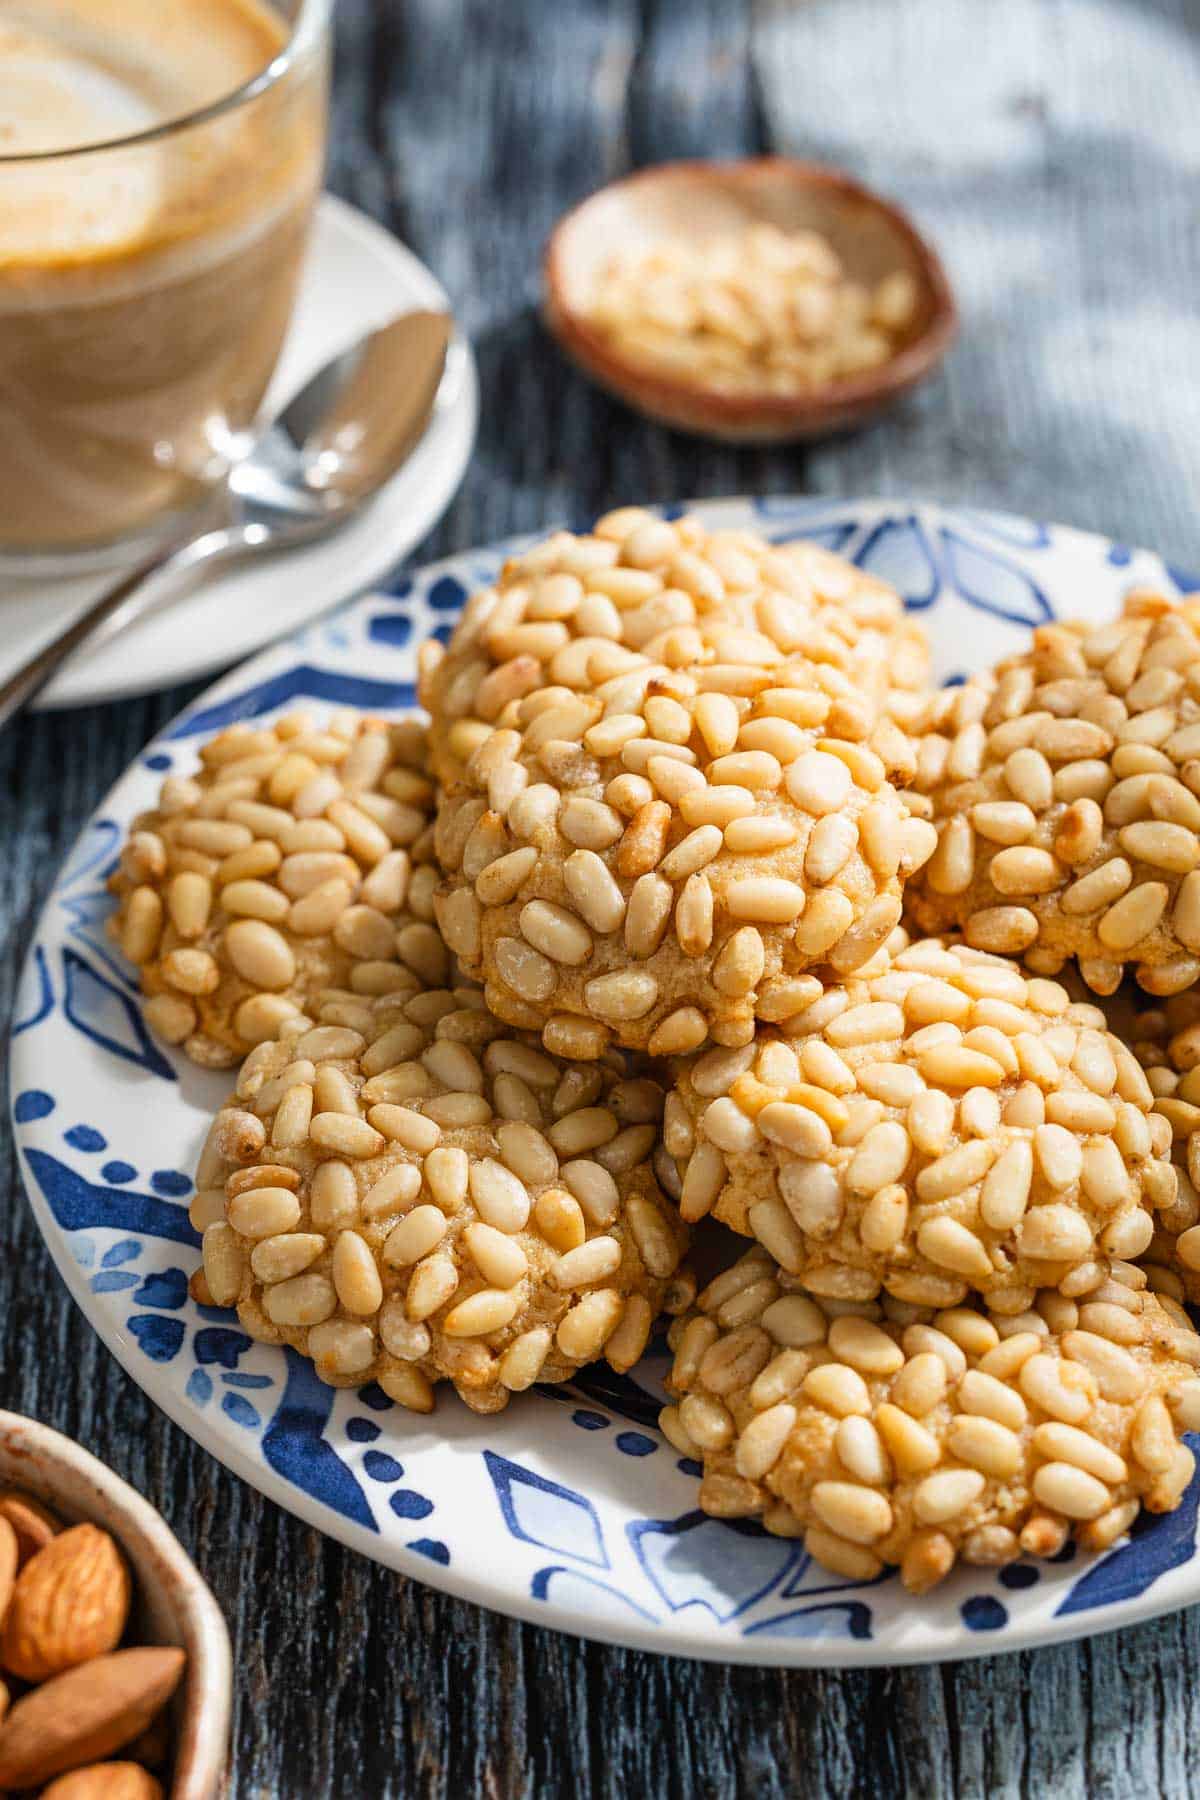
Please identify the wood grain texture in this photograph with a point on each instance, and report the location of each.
(1063, 194)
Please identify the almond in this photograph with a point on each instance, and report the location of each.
(8, 1564)
(105, 1781)
(152, 1746)
(86, 1713)
(69, 1604)
(33, 1523)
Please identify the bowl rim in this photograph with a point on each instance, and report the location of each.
(202, 1750)
(874, 387)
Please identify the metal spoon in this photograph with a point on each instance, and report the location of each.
(334, 445)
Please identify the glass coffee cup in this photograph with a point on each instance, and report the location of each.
(158, 169)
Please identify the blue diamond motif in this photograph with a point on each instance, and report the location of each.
(697, 1561)
(541, 1511)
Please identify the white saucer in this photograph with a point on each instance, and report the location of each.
(357, 275)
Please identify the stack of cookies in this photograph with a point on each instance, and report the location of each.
(630, 940)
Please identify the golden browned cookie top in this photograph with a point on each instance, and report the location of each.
(294, 851)
(414, 1193)
(669, 763)
(899, 1435)
(1066, 792)
(941, 1122)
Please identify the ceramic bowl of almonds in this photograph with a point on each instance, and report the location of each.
(115, 1670)
(763, 301)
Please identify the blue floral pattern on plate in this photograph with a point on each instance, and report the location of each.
(568, 1508)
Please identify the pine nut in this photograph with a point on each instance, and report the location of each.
(765, 899)
(1069, 1490)
(838, 1390)
(304, 1300)
(340, 1135)
(522, 1362)
(500, 1198)
(583, 1331)
(985, 1445)
(259, 954)
(408, 1387)
(224, 1264)
(557, 933)
(263, 1212)
(981, 1393)
(592, 1261)
(480, 1313)
(433, 1282)
(865, 1347)
(624, 995)
(1067, 1444)
(947, 1494)
(852, 1511)
(279, 1258)
(355, 1276)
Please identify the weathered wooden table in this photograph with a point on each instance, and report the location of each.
(1051, 147)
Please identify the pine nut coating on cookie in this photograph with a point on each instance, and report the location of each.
(1166, 1040)
(454, 1204)
(897, 1434)
(669, 765)
(940, 1123)
(1065, 787)
(295, 851)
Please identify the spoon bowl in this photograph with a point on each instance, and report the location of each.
(333, 447)
(353, 424)
(699, 200)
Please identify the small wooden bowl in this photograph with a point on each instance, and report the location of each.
(172, 1603)
(705, 199)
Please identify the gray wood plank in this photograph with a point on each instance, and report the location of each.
(1060, 194)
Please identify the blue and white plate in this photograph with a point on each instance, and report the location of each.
(568, 1509)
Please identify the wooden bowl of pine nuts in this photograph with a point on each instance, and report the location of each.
(763, 301)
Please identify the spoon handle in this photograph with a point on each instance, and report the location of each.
(126, 600)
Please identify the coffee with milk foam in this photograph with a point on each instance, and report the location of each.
(148, 256)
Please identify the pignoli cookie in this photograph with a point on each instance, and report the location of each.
(939, 1124)
(430, 1197)
(295, 851)
(898, 1435)
(1065, 787)
(668, 759)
